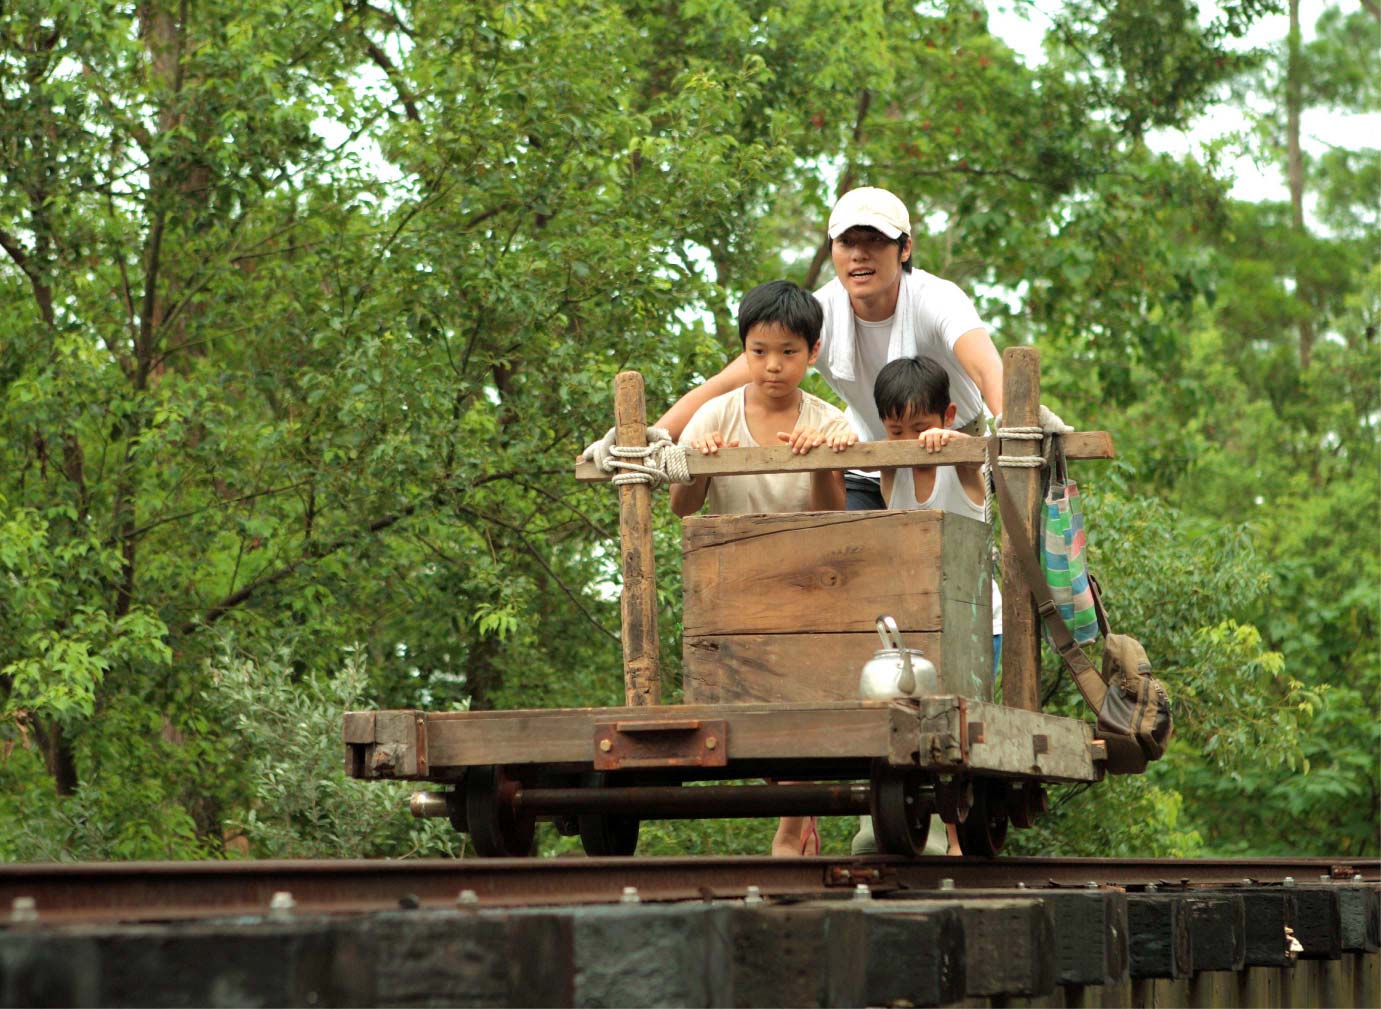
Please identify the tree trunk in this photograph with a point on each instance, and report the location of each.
(1295, 173)
(57, 756)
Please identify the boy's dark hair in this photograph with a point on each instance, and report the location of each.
(782, 302)
(914, 385)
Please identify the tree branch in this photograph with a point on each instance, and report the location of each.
(319, 551)
(846, 182)
(43, 294)
(385, 64)
(314, 552)
(536, 555)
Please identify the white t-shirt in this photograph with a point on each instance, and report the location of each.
(947, 495)
(943, 313)
(761, 493)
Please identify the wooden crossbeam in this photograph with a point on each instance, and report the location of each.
(865, 455)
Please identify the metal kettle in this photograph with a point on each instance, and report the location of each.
(896, 671)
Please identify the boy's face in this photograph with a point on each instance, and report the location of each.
(777, 359)
(867, 262)
(914, 423)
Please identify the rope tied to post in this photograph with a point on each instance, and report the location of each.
(1032, 433)
(660, 462)
(1050, 423)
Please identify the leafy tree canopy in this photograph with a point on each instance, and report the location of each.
(309, 307)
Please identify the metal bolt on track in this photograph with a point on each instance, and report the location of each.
(282, 905)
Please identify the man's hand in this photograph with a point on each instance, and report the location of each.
(711, 443)
(938, 437)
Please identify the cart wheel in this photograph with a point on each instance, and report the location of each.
(607, 833)
(901, 812)
(984, 830)
(1025, 802)
(494, 829)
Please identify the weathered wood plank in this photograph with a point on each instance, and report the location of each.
(1318, 922)
(1268, 912)
(718, 668)
(772, 612)
(882, 959)
(827, 730)
(1217, 931)
(1021, 643)
(675, 712)
(638, 602)
(1159, 937)
(865, 455)
(358, 727)
(1005, 740)
(395, 752)
(709, 531)
(1090, 934)
(1355, 904)
(1009, 944)
(540, 737)
(816, 571)
(966, 607)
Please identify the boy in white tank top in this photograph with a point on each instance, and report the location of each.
(912, 396)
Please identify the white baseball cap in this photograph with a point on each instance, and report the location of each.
(869, 207)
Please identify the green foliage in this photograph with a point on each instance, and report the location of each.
(1132, 816)
(300, 804)
(307, 311)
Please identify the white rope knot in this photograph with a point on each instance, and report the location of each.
(1050, 423)
(660, 461)
(1031, 433)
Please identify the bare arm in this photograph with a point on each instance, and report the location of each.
(735, 374)
(979, 359)
(827, 491)
(689, 498)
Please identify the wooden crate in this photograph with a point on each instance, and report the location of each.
(782, 607)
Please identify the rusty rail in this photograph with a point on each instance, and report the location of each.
(154, 891)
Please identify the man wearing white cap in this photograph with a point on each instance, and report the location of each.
(877, 309)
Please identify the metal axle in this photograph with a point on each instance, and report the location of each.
(673, 802)
(662, 802)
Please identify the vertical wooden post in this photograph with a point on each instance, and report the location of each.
(642, 682)
(1021, 642)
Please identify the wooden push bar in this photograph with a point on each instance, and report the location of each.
(865, 455)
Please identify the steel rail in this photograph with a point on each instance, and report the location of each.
(155, 891)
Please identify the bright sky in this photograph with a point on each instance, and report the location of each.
(1021, 25)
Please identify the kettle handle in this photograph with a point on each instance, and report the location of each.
(889, 632)
(891, 638)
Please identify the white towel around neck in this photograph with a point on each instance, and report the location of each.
(843, 345)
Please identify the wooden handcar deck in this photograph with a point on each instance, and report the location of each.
(940, 734)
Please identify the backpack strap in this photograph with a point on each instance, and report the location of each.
(1086, 676)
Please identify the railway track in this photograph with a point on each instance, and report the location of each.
(64, 893)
